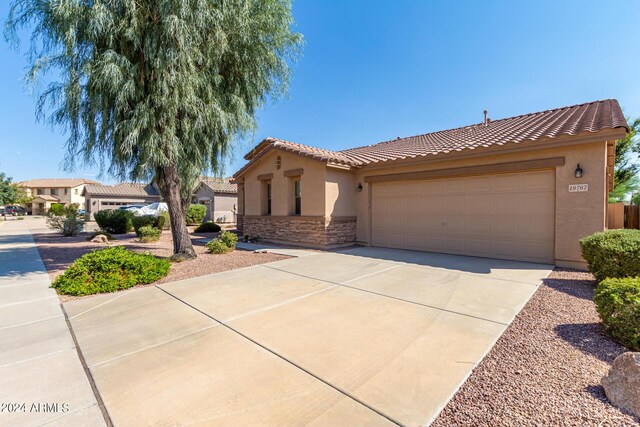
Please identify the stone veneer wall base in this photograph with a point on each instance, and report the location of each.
(309, 231)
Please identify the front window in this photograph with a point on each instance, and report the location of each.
(66, 191)
(266, 198)
(76, 191)
(297, 198)
(40, 191)
(54, 191)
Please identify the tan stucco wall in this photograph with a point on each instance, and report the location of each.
(340, 193)
(577, 214)
(331, 192)
(312, 184)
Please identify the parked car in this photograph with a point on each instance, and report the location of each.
(154, 209)
(131, 208)
(14, 210)
(2, 210)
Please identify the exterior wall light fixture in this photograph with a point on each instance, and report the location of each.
(579, 172)
(359, 187)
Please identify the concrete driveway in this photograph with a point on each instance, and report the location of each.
(365, 336)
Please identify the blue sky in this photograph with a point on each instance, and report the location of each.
(375, 70)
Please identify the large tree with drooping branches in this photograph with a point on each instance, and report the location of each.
(157, 89)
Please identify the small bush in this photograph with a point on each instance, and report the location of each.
(95, 233)
(144, 221)
(66, 221)
(149, 234)
(196, 214)
(229, 239)
(109, 270)
(207, 227)
(116, 221)
(164, 221)
(56, 209)
(224, 243)
(613, 253)
(618, 304)
(216, 246)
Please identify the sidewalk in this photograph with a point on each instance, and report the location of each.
(43, 381)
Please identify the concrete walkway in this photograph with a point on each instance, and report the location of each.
(360, 337)
(42, 381)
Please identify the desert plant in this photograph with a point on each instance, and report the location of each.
(116, 221)
(613, 253)
(224, 243)
(229, 239)
(105, 233)
(207, 227)
(618, 304)
(56, 209)
(196, 214)
(66, 220)
(216, 246)
(149, 234)
(109, 270)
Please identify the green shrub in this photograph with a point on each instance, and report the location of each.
(143, 221)
(115, 221)
(229, 239)
(56, 209)
(216, 246)
(109, 270)
(224, 243)
(95, 233)
(149, 234)
(164, 221)
(196, 214)
(613, 253)
(618, 304)
(65, 225)
(207, 227)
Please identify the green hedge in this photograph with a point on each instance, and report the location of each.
(618, 304)
(207, 227)
(613, 253)
(196, 214)
(115, 221)
(109, 270)
(56, 209)
(146, 221)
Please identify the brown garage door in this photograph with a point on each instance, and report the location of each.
(508, 216)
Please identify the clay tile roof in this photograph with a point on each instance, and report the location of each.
(46, 197)
(219, 185)
(124, 189)
(55, 182)
(589, 117)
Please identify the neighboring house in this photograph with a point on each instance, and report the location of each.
(523, 188)
(219, 196)
(99, 197)
(46, 192)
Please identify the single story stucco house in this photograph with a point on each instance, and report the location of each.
(522, 188)
(219, 196)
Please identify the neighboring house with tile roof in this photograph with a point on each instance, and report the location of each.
(526, 187)
(99, 197)
(220, 197)
(46, 192)
(218, 194)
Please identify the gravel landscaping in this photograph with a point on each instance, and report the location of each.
(546, 368)
(59, 252)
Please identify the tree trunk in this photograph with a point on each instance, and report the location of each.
(169, 184)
